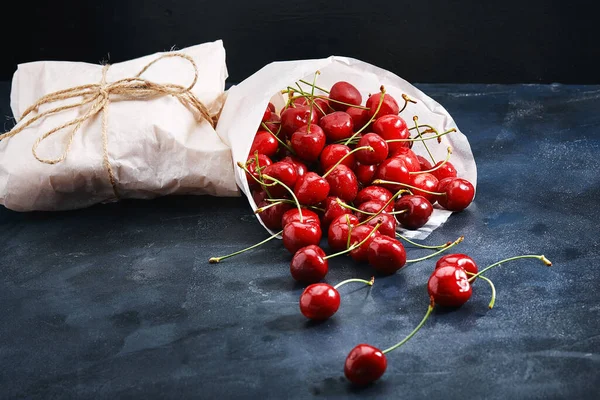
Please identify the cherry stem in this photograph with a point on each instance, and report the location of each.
(437, 166)
(349, 225)
(261, 209)
(457, 241)
(422, 245)
(406, 101)
(415, 118)
(291, 192)
(305, 94)
(277, 138)
(263, 184)
(387, 203)
(309, 84)
(214, 260)
(346, 156)
(292, 202)
(542, 258)
(421, 139)
(410, 335)
(312, 100)
(354, 246)
(432, 129)
(381, 98)
(384, 182)
(493, 300)
(370, 282)
(349, 207)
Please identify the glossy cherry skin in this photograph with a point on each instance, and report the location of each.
(342, 183)
(284, 172)
(371, 206)
(365, 173)
(365, 364)
(373, 193)
(410, 159)
(458, 260)
(272, 216)
(311, 189)
(300, 234)
(379, 150)
(445, 171)
(273, 124)
(424, 163)
(309, 264)
(386, 255)
(332, 210)
(321, 106)
(339, 230)
(264, 143)
(293, 215)
(267, 115)
(425, 181)
(357, 235)
(300, 167)
(337, 126)
(359, 116)
(259, 195)
(319, 301)
(418, 211)
(388, 107)
(293, 119)
(459, 193)
(333, 153)
(263, 161)
(449, 286)
(387, 225)
(346, 93)
(308, 144)
(393, 169)
(392, 127)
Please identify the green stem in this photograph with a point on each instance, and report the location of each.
(493, 300)
(354, 246)
(539, 257)
(291, 192)
(262, 183)
(305, 94)
(277, 138)
(349, 207)
(421, 139)
(440, 165)
(457, 241)
(215, 260)
(370, 283)
(421, 245)
(387, 203)
(292, 202)
(384, 182)
(406, 339)
(312, 99)
(381, 98)
(406, 101)
(261, 209)
(309, 84)
(346, 156)
(415, 118)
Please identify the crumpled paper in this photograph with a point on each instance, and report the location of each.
(247, 101)
(156, 147)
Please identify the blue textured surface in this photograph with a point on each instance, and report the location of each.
(119, 300)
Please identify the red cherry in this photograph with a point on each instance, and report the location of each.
(337, 235)
(298, 234)
(409, 157)
(365, 364)
(427, 182)
(449, 286)
(337, 126)
(308, 144)
(375, 156)
(365, 173)
(392, 127)
(259, 195)
(371, 206)
(272, 124)
(284, 172)
(311, 189)
(293, 215)
(272, 216)
(300, 167)
(424, 163)
(386, 255)
(293, 119)
(264, 143)
(458, 260)
(271, 107)
(346, 93)
(393, 169)
(267, 115)
(333, 153)
(418, 210)
(319, 301)
(387, 224)
(332, 210)
(343, 183)
(459, 193)
(388, 107)
(373, 193)
(357, 235)
(321, 106)
(263, 161)
(309, 265)
(445, 171)
(360, 116)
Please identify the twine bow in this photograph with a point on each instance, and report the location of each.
(98, 96)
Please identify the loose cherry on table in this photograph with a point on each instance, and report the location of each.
(309, 264)
(458, 260)
(386, 255)
(320, 301)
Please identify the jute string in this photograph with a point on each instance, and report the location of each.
(98, 96)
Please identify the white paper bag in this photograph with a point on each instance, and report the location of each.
(155, 146)
(247, 101)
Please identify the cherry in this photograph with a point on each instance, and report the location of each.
(293, 119)
(300, 167)
(458, 260)
(393, 169)
(373, 193)
(342, 183)
(362, 234)
(311, 189)
(309, 264)
(321, 105)
(388, 107)
(308, 142)
(293, 215)
(264, 143)
(333, 153)
(332, 210)
(271, 107)
(425, 181)
(365, 173)
(339, 230)
(449, 286)
(372, 206)
(282, 171)
(263, 161)
(387, 224)
(267, 115)
(300, 234)
(424, 163)
(379, 150)
(409, 157)
(365, 364)
(360, 116)
(459, 193)
(346, 93)
(446, 170)
(272, 124)
(272, 216)
(386, 254)
(392, 127)
(418, 211)
(337, 126)
(319, 301)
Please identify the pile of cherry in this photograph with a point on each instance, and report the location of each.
(328, 163)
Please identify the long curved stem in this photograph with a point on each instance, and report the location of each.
(346, 156)
(493, 300)
(542, 258)
(381, 98)
(214, 260)
(457, 241)
(410, 335)
(312, 84)
(354, 246)
(370, 282)
(415, 118)
(289, 190)
(384, 182)
(440, 165)
(422, 245)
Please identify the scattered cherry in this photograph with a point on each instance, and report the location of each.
(458, 193)
(300, 234)
(309, 264)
